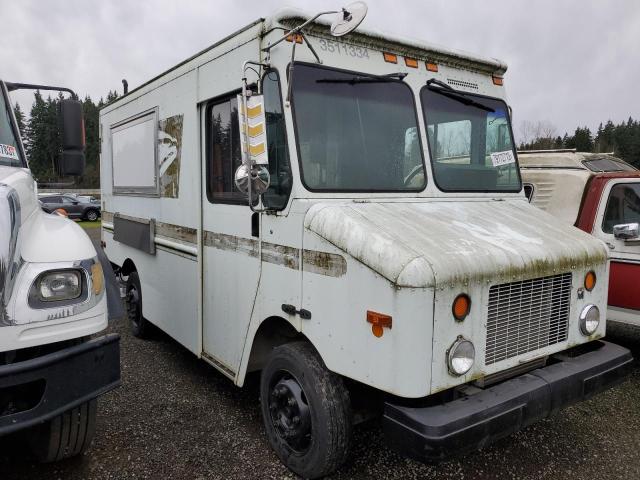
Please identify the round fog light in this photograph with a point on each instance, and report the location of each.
(461, 356)
(589, 319)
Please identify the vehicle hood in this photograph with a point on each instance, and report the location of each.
(438, 243)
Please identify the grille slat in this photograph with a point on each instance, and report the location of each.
(526, 316)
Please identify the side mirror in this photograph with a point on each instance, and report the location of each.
(627, 231)
(71, 122)
(253, 174)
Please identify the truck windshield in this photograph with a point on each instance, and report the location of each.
(355, 133)
(9, 152)
(470, 142)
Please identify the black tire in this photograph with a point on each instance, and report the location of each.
(65, 436)
(140, 327)
(91, 215)
(318, 442)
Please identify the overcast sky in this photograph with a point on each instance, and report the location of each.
(571, 62)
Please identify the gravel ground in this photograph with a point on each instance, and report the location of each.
(174, 417)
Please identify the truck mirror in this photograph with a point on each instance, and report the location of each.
(71, 121)
(253, 174)
(627, 231)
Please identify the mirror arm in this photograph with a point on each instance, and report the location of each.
(297, 29)
(313, 50)
(11, 86)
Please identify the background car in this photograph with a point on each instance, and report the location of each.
(74, 206)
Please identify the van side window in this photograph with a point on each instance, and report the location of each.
(277, 194)
(623, 206)
(223, 151)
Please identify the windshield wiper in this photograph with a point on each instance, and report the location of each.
(446, 90)
(390, 77)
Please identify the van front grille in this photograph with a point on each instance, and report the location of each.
(527, 315)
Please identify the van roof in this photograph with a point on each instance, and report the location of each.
(593, 162)
(289, 17)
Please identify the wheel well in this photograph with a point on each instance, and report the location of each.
(127, 267)
(272, 333)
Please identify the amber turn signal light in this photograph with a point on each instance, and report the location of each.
(461, 307)
(378, 321)
(590, 281)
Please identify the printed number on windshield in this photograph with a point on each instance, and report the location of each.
(343, 49)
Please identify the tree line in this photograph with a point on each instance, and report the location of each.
(623, 139)
(41, 137)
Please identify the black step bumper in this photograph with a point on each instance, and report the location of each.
(59, 381)
(434, 433)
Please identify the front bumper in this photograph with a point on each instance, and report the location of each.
(54, 383)
(437, 432)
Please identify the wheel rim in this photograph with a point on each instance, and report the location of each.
(133, 305)
(290, 412)
(92, 216)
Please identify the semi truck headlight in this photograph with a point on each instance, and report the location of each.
(59, 285)
(461, 356)
(589, 319)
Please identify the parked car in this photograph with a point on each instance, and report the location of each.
(73, 206)
(599, 194)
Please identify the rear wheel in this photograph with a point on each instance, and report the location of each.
(306, 411)
(140, 327)
(65, 436)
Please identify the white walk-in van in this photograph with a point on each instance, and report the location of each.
(54, 290)
(387, 262)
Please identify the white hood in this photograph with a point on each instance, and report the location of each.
(438, 243)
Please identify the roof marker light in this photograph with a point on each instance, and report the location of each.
(497, 80)
(411, 62)
(295, 36)
(432, 67)
(390, 57)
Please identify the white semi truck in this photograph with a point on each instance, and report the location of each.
(54, 287)
(387, 256)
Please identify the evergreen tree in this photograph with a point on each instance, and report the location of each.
(20, 120)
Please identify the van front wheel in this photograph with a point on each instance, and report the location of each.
(306, 411)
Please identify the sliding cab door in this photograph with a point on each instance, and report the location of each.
(231, 263)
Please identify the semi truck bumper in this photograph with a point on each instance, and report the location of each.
(37, 390)
(437, 432)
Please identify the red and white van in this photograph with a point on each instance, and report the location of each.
(599, 194)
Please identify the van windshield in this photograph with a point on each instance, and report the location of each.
(470, 142)
(355, 132)
(9, 153)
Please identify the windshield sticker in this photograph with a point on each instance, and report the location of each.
(8, 151)
(502, 158)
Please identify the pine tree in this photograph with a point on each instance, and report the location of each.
(20, 120)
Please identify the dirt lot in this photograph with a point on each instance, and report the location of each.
(177, 418)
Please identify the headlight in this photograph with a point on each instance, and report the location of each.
(56, 288)
(461, 356)
(589, 319)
